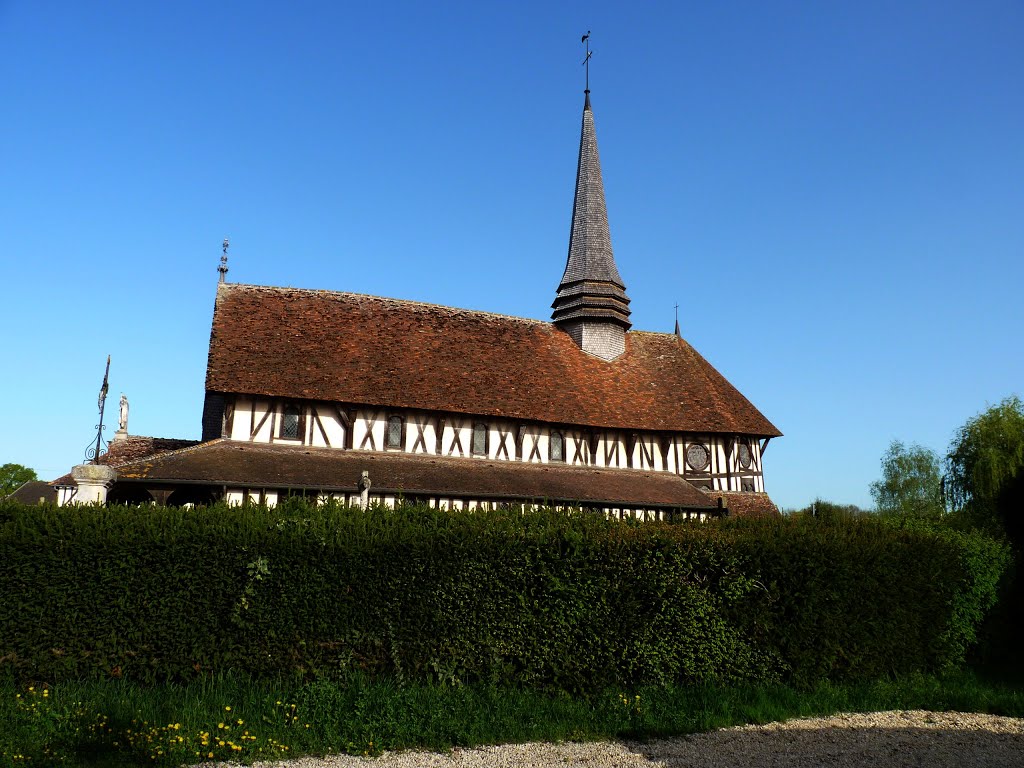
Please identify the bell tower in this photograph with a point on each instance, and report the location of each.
(591, 304)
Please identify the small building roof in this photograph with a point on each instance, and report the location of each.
(351, 348)
(129, 449)
(259, 465)
(33, 492)
(745, 503)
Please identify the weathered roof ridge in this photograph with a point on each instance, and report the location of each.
(591, 287)
(401, 303)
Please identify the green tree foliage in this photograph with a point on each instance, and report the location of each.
(911, 483)
(823, 509)
(985, 467)
(13, 476)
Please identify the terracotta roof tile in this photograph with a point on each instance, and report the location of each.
(746, 504)
(226, 462)
(344, 347)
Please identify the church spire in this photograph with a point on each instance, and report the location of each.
(591, 304)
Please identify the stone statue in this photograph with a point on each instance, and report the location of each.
(364, 489)
(123, 418)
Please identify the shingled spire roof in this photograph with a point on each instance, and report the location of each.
(591, 288)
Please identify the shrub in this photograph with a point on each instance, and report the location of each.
(550, 600)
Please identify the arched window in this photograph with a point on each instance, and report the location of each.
(556, 450)
(479, 447)
(393, 439)
(290, 422)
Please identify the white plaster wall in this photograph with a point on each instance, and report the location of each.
(412, 425)
(465, 430)
(495, 441)
(264, 431)
(332, 426)
(241, 420)
(369, 422)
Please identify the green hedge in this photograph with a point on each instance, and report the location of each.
(546, 599)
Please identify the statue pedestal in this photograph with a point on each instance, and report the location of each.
(121, 434)
(93, 480)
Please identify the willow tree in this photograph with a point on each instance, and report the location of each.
(985, 467)
(911, 483)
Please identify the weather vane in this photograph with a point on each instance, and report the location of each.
(586, 61)
(223, 268)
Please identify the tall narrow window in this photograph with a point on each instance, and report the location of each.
(556, 451)
(479, 446)
(393, 439)
(290, 421)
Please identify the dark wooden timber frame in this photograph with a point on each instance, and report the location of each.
(229, 418)
(503, 434)
(584, 442)
(579, 443)
(421, 437)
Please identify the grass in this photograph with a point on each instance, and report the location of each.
(230, 718)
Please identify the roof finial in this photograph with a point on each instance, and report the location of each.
(677, 322)
(223, 268)
(586, 61)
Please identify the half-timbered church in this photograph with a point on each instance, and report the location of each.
(369, 399)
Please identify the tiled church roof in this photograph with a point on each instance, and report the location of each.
(257, 465)
(591, 288)
(344, 347)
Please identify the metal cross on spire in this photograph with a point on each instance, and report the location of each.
(677, 322)
(586, 61)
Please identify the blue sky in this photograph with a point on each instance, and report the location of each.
(833, 193)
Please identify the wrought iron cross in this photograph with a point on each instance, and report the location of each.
(586, 61)
(93, 452)
(223, 268)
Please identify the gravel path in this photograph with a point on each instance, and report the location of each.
(912, 738)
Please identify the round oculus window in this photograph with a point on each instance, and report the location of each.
(744, 455)
(697, 456)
